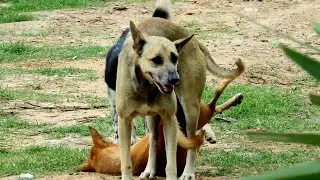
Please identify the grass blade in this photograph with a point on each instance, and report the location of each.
(317, 28)
(315, 99)
(309, 64)
(313, 139)
(308, 171)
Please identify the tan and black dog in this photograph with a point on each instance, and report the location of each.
(105, 157)
(159, 61)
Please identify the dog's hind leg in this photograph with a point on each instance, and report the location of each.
(234, 101)
(150, 170)
(112, 99)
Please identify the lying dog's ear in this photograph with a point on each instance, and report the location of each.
(96, 137)
(181, 42)
(138, 39)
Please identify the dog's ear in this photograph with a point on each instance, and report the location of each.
(181, 42)
(138, 39)
(96, 137)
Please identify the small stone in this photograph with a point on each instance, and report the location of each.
(189, 13)
(120, 8)
(26, 176)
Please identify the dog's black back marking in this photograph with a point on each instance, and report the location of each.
(161, 13)
(110, 75)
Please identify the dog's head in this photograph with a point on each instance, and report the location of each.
(157, 58)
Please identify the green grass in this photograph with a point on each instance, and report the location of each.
(268, 108)
(20, 52)
(82, 74)
(103, 125)
(248, 161)
(7, 94)
(40, 160)
(46, 5)
(7, 16)
(16, 11)
(27, 95)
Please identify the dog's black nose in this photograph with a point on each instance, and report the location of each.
(174, 80)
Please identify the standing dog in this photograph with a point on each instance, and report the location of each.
(105, 158)
(161, 11)
(148, 71)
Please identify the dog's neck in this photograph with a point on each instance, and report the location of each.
(142, 87)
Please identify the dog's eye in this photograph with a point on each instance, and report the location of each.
(174, 58)
(157, 60)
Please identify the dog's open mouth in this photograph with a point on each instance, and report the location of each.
(165, 89)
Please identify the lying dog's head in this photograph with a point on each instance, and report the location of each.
(157, 58)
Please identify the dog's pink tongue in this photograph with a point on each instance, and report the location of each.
(167, 89)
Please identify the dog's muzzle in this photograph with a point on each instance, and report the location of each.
(167, 82)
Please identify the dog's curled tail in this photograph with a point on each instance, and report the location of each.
(163, 9)
(215, 69)
(192, 143)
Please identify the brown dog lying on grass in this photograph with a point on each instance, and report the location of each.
(105, 155)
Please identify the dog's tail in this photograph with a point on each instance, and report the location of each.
(215, 69)
(192, 143)
(163, 9)
(98, 140)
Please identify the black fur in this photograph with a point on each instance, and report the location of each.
(110, 75)
(160, 13)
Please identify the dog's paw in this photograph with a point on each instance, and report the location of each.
(238, 99)
(126, 177)
(148, 175)
(187, 177)
(211, 140)
(209, 134)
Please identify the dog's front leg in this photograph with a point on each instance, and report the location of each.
(124, 142)
(170, 137)
(150, 171)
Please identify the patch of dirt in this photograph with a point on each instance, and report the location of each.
(65, 114)
(36, 139)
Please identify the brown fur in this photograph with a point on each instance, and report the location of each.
(105, 156)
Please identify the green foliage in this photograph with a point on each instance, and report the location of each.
(310, 171)
(313, 139)
(315, 99)
(309, 64)
(317, 28)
